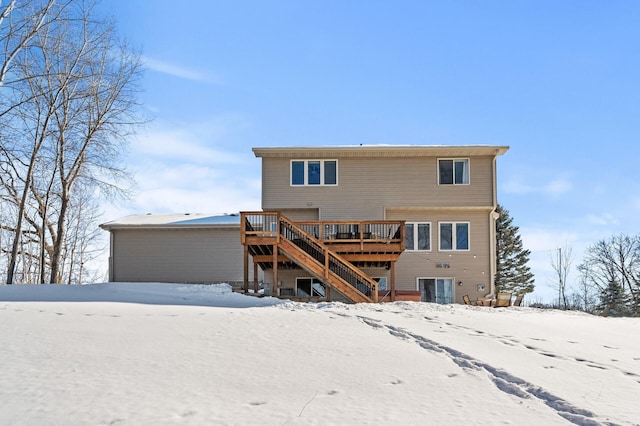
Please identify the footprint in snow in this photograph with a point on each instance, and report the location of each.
(599, 367)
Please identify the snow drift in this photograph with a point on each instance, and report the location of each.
(187, 354)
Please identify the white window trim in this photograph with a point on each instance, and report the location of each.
(453, 235)
(454, 172)
(306, 172)
(415, 236)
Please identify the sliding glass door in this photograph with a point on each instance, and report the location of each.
(436, 290)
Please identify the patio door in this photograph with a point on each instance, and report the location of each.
(310, 287)
(436, 290)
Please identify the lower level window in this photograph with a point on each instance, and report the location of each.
(436, 290)
(382, 282)
(310, 287)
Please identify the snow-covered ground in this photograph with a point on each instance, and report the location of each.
(165, 354)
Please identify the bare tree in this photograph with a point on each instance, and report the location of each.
(83, 238)
(614, 263)
(20, 21)
(586, 292)
(75, 107)
(94, 122)
(561, 262)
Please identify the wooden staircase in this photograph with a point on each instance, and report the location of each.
(272, 235)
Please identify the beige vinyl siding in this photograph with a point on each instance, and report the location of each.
(204, 255)
(368, 185)
(301, 215)
(400, 183)
(472, 267)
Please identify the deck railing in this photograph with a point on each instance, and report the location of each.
(383, 231)
(354, 230)
(259, 224)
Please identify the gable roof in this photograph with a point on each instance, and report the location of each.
(381, 151)
(194, 220)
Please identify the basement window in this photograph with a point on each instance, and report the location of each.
(310, 287)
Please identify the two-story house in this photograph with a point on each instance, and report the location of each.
(372, 223)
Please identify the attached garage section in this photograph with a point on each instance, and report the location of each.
(159, 248)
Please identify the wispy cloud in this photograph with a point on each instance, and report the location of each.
(532, 184)
(197, 190)
(545, 239)
(604, 219)
(558, 186)
(210, 142)
(189, 188)
(192, 167)
(176, 146)
(179, 71)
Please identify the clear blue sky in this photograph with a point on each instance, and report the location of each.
(557, 81)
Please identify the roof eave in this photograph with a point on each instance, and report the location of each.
(381, 151)
(109, 227)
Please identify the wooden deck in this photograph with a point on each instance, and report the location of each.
(333, 251)
(363, 243)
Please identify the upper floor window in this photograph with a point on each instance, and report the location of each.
(314, 172)
(417, 236)
(453, 171)
(454, 235)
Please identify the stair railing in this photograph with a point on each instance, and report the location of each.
(329, 260)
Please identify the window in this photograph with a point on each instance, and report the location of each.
(453, 172)
(454, 236)
(314, 172)
(436, 290)
(310, 287)
(417, 236)
(382, 282)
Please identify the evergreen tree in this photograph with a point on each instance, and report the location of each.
(612, 300)
(512, 273)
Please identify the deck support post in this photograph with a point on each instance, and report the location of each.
(392, 270)
(246, 269)
(255, 278)
(274, 286)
